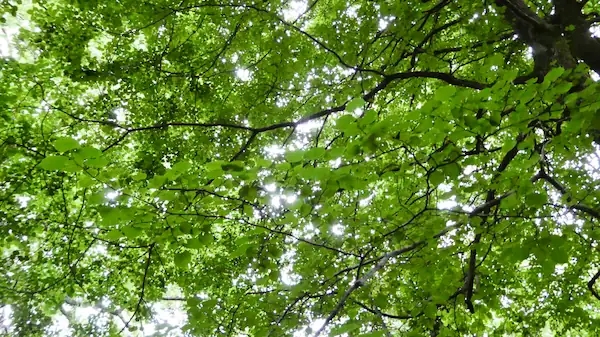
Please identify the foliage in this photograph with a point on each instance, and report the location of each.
(352, 168)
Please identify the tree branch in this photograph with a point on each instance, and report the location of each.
(377, 312)
(591, 283)
(142, 291)
(383, 260)
(563, 191)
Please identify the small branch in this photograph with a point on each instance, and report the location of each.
(448, 78)
(245, 146)
(377, 312)
(591, 283)
(469, 281)
(385, 327)
(225, 46)
(383, 260)
(312, 243)
(142, 291)
(286, 312)
(523, 12)
(430, 36)
(215, 194)
(482, 209)
(438, 7)
(563, 191)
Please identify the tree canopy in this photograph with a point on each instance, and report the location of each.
(291, 168)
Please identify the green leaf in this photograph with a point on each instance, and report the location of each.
(88, 152)
(369, 117)
(452, 170)
(562, 88)
(236, 167)
(181, 166)
(554, 74)
(314, 153)
(114, 235)
(345, 122)
(315, 173)
(248, 192)
(98, 162)
(132, 232)
(536, 199)
(356, 103)
(182, 259)
(347, 327)
(509, 202)
(430, 310)
(195, 243)
(445, 93)
(206, 238)
(294, 156)
(65, 144)
(157, 181)
(139, 176)
(97, 198)
(54, 163)
(558, 255)
(86, 181)
(240, 251)
(215, 165)
(122, 122)
(436, 178)
(518, 253)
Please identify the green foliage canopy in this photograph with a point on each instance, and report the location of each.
(367, 168)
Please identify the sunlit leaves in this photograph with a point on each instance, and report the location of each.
(65, 144)
(114, 235)
(98, 162)
(54, 163)
(314, 153)
(88, 152)
(314, 173)
(157, 181)
(294, 156)
(195, 243)
(346, 123)
(554, 74)
(356, 103)
(139, 161)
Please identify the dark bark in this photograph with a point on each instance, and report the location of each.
(558, 40)
(582, 44)
(562, 39)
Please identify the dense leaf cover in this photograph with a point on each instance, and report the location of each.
(267, 168)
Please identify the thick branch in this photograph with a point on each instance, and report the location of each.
(582, 44)
(388, 79)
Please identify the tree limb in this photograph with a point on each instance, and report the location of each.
(591, 283)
